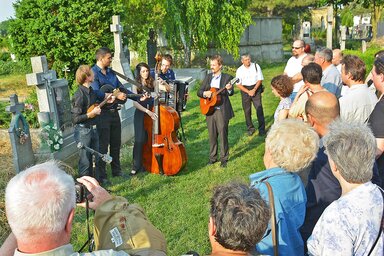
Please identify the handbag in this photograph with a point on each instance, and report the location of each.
(275, 239)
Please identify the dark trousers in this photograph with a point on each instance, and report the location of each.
(140, 139)
(110, 135)
(89, 138)
(256, 100)
(217, 128)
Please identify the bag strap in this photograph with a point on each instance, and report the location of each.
(381, 225)
(275, 240)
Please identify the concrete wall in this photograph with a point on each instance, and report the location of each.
(262, 39)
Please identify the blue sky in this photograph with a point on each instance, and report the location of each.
(6, 9)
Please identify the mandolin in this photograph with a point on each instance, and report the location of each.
(207, 105)
(114, 93)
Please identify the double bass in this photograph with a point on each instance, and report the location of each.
(163, 153)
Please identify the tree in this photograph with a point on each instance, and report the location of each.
(196, 24)
(278, 7)
(67, 31)
(376, 7)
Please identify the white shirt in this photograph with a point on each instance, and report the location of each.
(215, 82)
(248, 75)
(358, 104)
(292, 68)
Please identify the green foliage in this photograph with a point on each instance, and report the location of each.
(138, 18)
(31, 110)
(5, 117)
(11, 67)
(195, 24)
(67, 32)
(4, 27)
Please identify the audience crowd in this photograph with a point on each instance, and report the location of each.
(321, 192)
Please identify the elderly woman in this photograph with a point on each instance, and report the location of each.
(290, 146)
(351, 224)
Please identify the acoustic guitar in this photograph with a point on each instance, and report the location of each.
(207, 105)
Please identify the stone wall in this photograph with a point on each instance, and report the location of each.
(262, 39)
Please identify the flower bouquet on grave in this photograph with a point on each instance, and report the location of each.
(52, 137)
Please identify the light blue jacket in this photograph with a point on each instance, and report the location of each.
(290, 199)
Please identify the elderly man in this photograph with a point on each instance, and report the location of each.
(251, 79)
(358, 104)
(331, 79)
(351, 225)
(322, 189)
(337, 58)
(238, 219)
(376, 119)
(40, 208)
(294, 64)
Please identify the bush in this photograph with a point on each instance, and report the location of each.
(5, 56)
(11, 67)
(30, 112)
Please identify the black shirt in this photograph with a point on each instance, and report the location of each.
(82, 99)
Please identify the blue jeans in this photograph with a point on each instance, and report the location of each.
(89, 138)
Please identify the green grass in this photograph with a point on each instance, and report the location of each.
(179, 205)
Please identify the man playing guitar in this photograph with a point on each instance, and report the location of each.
(217, 121)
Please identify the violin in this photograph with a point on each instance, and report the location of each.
(163, 153)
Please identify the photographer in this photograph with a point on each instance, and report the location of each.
(40, 207)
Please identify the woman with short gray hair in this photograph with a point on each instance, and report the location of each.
(351, 224)
(290, 146)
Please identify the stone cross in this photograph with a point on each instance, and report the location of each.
(120, 63)
(20, 136)
(116, 28)
(52, 94)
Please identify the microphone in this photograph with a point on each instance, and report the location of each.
(105, 157)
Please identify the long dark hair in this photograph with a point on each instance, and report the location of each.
(149, 81)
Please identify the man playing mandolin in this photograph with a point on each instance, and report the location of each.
(219, 115)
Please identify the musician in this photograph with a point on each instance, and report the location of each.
(217, 122)
(109, 128)
(142, 108)
(251, 78)
(85, 123)
(166, 73)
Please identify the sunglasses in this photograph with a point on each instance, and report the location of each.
(293, 47)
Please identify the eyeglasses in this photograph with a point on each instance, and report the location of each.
(293, 47)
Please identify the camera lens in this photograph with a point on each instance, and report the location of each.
(80, 192)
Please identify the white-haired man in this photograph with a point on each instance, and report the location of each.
(40, 208)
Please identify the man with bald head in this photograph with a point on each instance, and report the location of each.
(322, 108)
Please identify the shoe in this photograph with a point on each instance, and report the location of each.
(223, 164)
(133, 172)
(211, 162)
(263, 133)
(251, 132)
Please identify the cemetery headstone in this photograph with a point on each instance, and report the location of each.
(20, 136)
